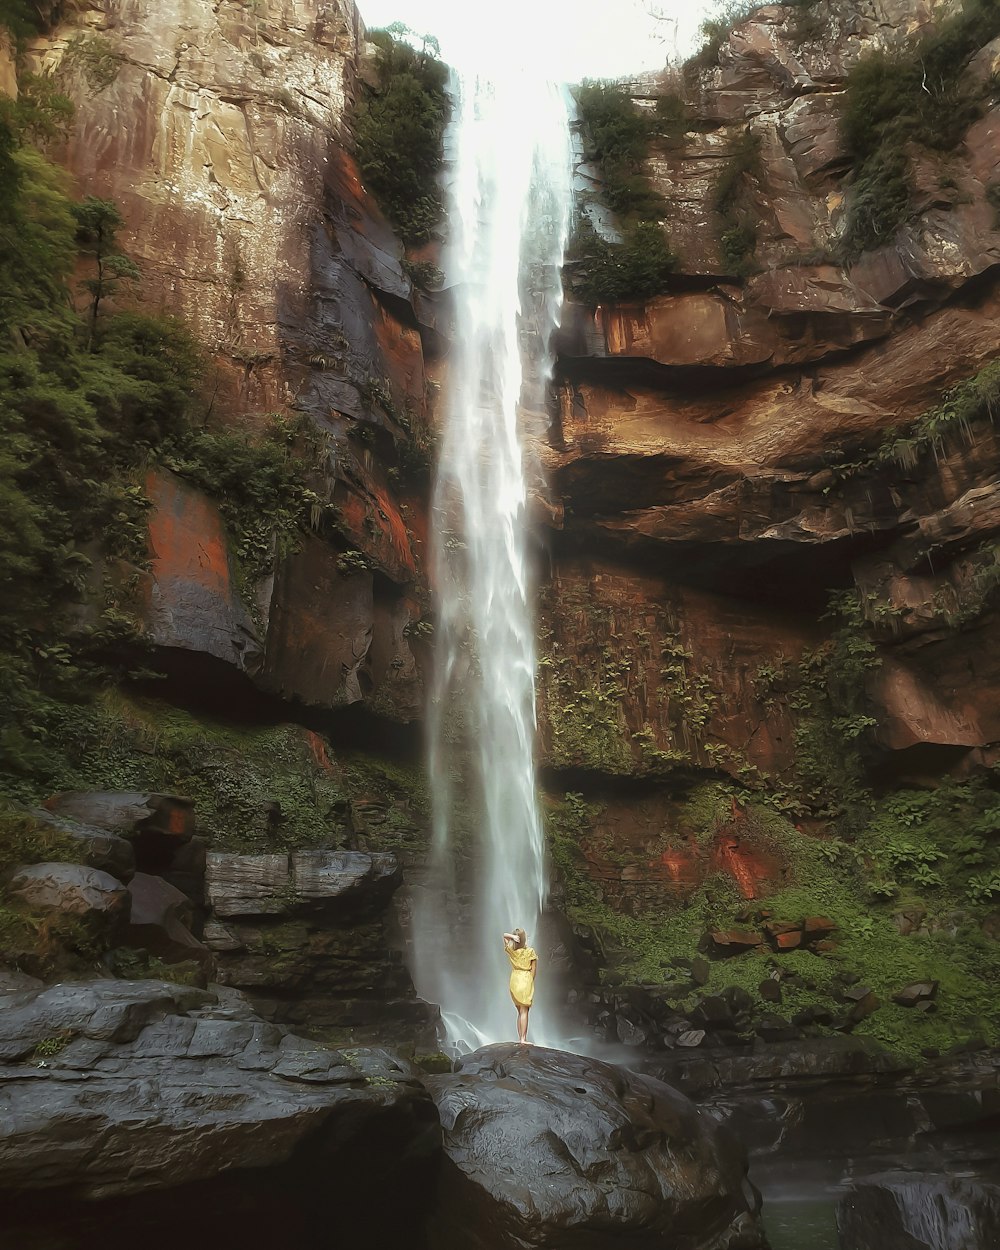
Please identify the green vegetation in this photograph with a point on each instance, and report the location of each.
(26, 840)
(139, 965)
(716, 29)
(618, 136)
(255, 789)
(96, 58)
(917, 96)
(88, 399)
(399, 133)
(971, 402)
(424, 273)
(737, 228)
(639, 267)
(941, 846)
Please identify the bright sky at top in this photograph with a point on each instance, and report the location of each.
(565, 40)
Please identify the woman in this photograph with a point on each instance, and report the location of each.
(523, 966)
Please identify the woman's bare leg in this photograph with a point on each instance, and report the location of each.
(522, 1024)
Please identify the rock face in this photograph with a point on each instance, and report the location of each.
(245, 211)
(915, 1211)
(116, 1088)
(549, 1149)
(306, 935)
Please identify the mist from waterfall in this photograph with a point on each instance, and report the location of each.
(510, 193)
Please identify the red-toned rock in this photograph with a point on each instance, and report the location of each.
(735, 941)
(818, 927)
(127, 812)
(191, 600)
(788, 941)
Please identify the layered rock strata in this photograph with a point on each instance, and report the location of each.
(114, 1089)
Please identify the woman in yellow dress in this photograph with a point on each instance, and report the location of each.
(523, 966)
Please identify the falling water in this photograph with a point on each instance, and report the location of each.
(510, 196)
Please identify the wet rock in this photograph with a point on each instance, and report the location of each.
(917, 994)
(629, 1033)
(772, 1028)
(127, 812)
(307, 936)
(690, 1038)
(553, 1150)
(160, 919)
(155, 1085)
(770, 990)
(735, 941)
(98, 848)
(917, 1211)
(261, 885)
(73, 890)
(700, 971)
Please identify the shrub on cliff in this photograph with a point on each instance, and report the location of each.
(902, 99)
(399, 135)
(639, 267)
(618, 137)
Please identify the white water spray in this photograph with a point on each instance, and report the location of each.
(509, 212)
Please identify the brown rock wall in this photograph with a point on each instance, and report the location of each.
(642, 676)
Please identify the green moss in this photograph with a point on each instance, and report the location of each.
(393, 800)
(26, 840)
(254, 789)
(140, 965)
(955, 828)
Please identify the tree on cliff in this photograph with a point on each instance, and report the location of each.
(98, 223)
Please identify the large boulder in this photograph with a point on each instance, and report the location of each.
(98, 848)
(114, 1087)
(126, 811)
(547, 1149)
(916, 1211)
(308, 936)
(160, 920)
(87, 894)
(267, 885)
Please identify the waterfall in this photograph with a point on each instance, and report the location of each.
(508, 220)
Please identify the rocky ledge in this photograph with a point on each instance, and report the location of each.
(547, 1149)
(916, 1211)
(112, 1089)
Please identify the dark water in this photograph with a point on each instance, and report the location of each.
(801, 1222)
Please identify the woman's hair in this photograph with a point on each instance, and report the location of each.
(522, 937)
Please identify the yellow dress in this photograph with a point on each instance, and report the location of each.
(522, 983)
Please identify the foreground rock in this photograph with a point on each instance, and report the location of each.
(914, 1211)
(111, 1087)
(546, 1149)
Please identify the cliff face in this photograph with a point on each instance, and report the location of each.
(726, 461)
(220, 132)
(710, 442)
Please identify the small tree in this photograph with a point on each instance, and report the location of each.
(98, 223)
